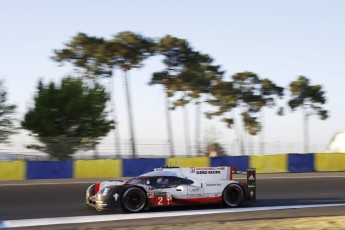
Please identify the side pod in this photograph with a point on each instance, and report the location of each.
(251, 183)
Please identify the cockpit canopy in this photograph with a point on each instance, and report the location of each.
(157, 181)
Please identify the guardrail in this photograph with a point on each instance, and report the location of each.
(292, 162)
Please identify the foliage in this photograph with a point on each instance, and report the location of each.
(186, 71)
(215, 147)
(91, 54)
(308, 97)
(64, 115)
(128, 50)
(247, 93)
(97, 56)
(7, 111)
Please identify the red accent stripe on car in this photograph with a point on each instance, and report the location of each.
(232, 169)
(198, 200)
(97, 187)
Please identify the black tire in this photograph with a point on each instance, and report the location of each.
(134, 200)
(233, 195)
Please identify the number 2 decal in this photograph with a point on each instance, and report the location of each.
(160, 200)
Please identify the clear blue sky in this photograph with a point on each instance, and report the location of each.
(276, 39)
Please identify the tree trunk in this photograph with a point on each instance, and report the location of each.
(186, 130)
(113, 109)
(238, 133)
(262, 134)
(306, 133)
(169, 127)
(130, 115)
(197, 128)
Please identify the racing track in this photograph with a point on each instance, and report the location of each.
(64, 198)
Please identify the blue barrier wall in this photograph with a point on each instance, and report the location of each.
(49, 169)
(301, 162)
(136, 167)
(240, 162)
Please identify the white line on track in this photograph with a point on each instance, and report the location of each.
(297, 177)
(90, 182)
(117, 217)
(49, 183)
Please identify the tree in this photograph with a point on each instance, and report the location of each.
(93, 58)
(175, 52)
(187, 72)
(129, 50)
(196, 79)
(310, 99)
(97, 57)
(65, 115)
(245, 94)
(7, 127)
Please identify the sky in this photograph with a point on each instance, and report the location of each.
(279, 40)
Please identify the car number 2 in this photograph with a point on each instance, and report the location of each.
(162, 201)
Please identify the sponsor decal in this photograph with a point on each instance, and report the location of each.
(196, 189)
(208, 172)
(213, 184)
(210, 168)
(195, 195)
(251, 194)
(116, 196)
(150, 195)
(251, 177)
(160, 194)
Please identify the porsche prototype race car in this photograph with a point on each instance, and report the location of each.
(169, 186)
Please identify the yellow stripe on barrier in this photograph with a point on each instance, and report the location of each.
(329, 161)
(97, 168)
(269, 163)
(184, 162)
(12, 170)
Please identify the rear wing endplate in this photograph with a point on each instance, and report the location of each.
(251, 182)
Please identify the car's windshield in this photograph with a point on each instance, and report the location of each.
(139, 180)
(160, 181)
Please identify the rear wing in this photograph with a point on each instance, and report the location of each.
(251, 182)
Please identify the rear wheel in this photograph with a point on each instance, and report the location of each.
(134, 200)
(233, 195)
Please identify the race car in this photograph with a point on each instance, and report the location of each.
(170, 186)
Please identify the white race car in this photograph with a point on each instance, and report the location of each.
(169, 186)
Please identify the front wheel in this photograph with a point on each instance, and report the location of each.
(233, 195)
(134, 200)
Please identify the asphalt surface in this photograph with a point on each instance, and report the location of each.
(65, 198)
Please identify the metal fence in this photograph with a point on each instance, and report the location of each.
(158, 148)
